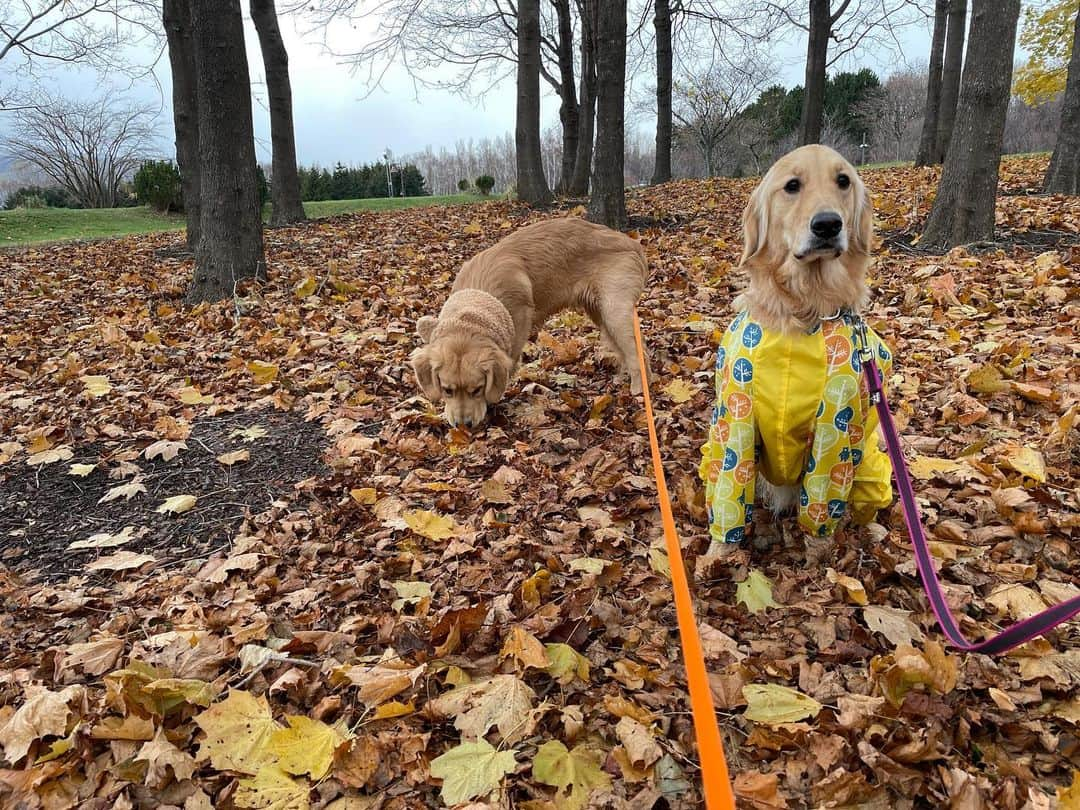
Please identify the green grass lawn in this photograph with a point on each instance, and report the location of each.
(27, 225)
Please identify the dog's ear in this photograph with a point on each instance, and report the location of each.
(755, 223)
(425, 327)
(425, 370)
(862, 230)
(497, 373)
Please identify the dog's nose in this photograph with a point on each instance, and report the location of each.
(468, 421)
(826, 224)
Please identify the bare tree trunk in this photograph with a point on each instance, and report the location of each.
(569, 116)
(176, 17)
(607, 205)
(817, 49)
(950, 75)
(963, 210)
(579, 185)
(230, 238)
(662, 23)
(532, 185)
(284, 182)
(1063, 176)
(928, 140)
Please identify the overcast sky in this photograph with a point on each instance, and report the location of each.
(337, 119)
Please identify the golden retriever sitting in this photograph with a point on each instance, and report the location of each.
(792, 415)
(501, 294)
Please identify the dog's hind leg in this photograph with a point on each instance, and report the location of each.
(617, 318)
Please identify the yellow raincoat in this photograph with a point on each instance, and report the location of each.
(795, 409)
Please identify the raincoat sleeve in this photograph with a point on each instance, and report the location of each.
(728, 456)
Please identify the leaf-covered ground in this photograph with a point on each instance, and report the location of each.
(291, 585)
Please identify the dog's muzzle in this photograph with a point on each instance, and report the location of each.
(827, 237)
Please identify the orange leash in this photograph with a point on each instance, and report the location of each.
(714, 770)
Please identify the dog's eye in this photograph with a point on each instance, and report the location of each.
(446, 389)
(843, 181)
(792, 186)
(476, 391)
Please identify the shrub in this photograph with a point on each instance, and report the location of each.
(463, 185)
(157, 184)
(39, 197)
(485, 183)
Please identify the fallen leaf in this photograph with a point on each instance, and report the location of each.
(471, 770)
(164, 449)
(852, 587)
(755, 592)
(575, 773)
(893, 623)
(305, 747)
(51, 456)
(81, 470)
(410, 593)
(126, 491)
(234, 457)
(1025, 461)
(42, 714)
(162, 757)
(104, 540)
(501, 701)
(776, 705)
(238, 732)
(121, 561)
(431, 525)
(96, 385)
(177, 504)
(272, 789)
(262, 373)
(679, 391)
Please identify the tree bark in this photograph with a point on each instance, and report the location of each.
(579, 184)
(927, 153)
(284, 180)
(532, 185)
(230, 239)
(569, 116)
(963, 210)
(662, 23)
(817, 49)
(950, 75)
(1063, 176)
(176, 17)
(607, 205)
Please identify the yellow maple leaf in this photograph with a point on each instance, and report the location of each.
(431, 524)
(525, 649)
(365, 495)
(238, 731)
(305, 747)
(96, 385)
(473, 228)
(679, 390)
(264, 373)
(852, 587)
(776, 705)
(575, 773)
(190, 395)
(305, 287)
(471, 770)
(395, 708)
(926, 467)
(272, 789)
(755, 592)
(1025, 461)
(1069, 798)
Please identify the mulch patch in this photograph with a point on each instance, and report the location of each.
(43, 510)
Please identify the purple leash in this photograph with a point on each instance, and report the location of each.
(1015, 634)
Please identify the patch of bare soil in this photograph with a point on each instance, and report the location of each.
(45, 509)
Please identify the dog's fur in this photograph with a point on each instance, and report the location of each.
(794, 282)
(795, 278)
(503, 293)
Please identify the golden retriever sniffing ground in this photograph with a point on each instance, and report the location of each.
(503, 293)
(792, 416)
